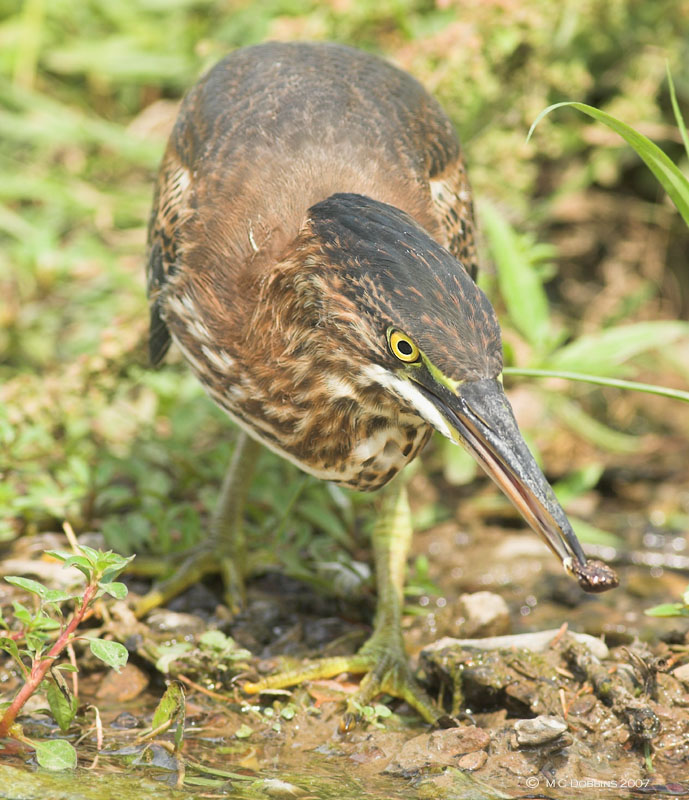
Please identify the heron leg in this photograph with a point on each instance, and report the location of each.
(224, 551)
(382, 659)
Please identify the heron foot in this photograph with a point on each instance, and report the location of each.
(204, 560)
(385, 668)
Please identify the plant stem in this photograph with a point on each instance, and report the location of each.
(663, 391)
(40, 667)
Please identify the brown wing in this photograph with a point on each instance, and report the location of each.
(267, 133)
(170, 207)
(454, 208)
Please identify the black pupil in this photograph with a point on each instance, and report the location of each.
(405, 348)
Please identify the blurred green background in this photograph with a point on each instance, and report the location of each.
(88, 93)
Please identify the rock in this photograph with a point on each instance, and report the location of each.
(485, 614)
(125, 721)
(537, 731)
(180, 625)
(517, 764)
(681, 673)
(473, 761)
(119, 687)
(438, 749)
(537, 642)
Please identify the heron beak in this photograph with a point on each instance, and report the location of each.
(481, 419)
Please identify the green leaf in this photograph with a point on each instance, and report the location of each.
(114, 589)
(22, 613)
(169, 706)
(589, 428)
(604, 353)
(58, 554)
(80, 563)
(10, 647)
(62, 704)
(668, 610)
(243, 731)
(169, 653)
(92, 556)
(577, 482)
(111, 564)
(65, 667)
(675, 108)
(28, 585)
(46, 595)
(58, 596)
(55, 754)
(172, 708)
(593, 535)
(215, 640)
(520, 284)
(668, 175)
(459, 467)
(114, 654)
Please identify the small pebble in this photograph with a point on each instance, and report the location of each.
(473, 761)
(532, 732)
(122, 686)
(485, 613)
(681, 673)
(125, 721)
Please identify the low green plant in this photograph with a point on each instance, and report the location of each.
(598, 358)
(680, 609)
(604, 357)
(36, 639)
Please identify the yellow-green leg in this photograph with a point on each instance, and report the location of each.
(382, 659)
(224, 551)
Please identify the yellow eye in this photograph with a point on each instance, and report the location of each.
(403, 348)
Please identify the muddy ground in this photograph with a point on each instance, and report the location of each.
(559, 716)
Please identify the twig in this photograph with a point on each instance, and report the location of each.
(75, 675)
(71, 536)
(99, 736)
(203, 690)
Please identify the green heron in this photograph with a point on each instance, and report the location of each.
(311, 253)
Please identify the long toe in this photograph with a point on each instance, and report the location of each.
(391, 675)
(388, 675)
(202, 561)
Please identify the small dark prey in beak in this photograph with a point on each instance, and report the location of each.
(485, 425)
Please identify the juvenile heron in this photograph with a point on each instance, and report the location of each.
(311, 253)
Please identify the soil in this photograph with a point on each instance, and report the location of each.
(560, 718)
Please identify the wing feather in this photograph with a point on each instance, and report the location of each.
(170, 207)
(454, 208)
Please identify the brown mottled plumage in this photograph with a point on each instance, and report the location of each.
(242, 231)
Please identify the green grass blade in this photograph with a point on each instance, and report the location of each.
(662, 391)
(520, 286)
(675, 107)
(668, 175)
(604, 353)
(587, 427)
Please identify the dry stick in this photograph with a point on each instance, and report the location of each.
(41, 667)
(203, 690)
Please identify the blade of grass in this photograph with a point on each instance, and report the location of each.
(675, 107)
(604, 353)
(38, 119)
(615, 383)
(520, 285)
(584, 425)
(668, 175)
(26, 53)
